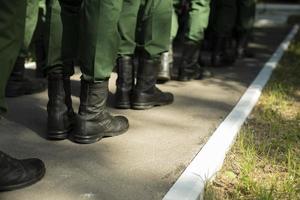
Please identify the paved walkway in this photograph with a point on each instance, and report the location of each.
(143, 163)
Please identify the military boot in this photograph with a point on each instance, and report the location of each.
(146, 95)
(16, 174)
(164, 74)
(19, 85)
(217, 52)
(93, 121)
(124, 82)
(242, 47)
(222, 52)
(189, 66)
(229, 55)
(59, 108)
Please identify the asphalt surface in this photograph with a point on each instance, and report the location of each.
(143, 163)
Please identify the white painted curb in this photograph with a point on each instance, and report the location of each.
(191, 184)
(270, 6)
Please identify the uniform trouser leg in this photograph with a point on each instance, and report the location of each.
(99, 38)
(53, 36)
(128, 25)
(175, 25)
(225, 17)
(32, 11)
(156, 26)
(12, 17)
(157, 21)
(246, 16)
(60, 56)
(197, 19)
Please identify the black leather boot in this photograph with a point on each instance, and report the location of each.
(217, 52)
(19, 85)
(189, 68)
(93, 121)
(125, 82)
(16, 174)
(164, 73)
(242, 50)
(60, 110)
(146, 95)
(223, 54)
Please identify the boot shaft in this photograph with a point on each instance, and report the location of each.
(93, 96)
(147, 74)
(59, 108)
(191, 52)
(56, 91)
(68, 93)
(125, 72)
(18, 70)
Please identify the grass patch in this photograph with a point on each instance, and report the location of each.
(264, 163)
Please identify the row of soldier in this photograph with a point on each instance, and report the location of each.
(134, 36)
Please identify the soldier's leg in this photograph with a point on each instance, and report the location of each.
(157, 21)
(99, 43)
(59, 68)
(223, 25)
(156, 33)
(197, 23)
(198, 19)
(39, 41)
(125, 68)
(18, 84)
(175, 25)
(14, 173)
(167, 57)
(244, 25)
(11, 36)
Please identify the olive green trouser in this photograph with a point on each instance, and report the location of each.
(88, 31)
(154, 17)
(174, 25)
(198, 16)
(54, 37)
(12, 23)
(30, 24)
(245, 16)
(231, 13)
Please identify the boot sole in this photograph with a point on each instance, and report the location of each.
(59, 135)
(146, 106)
(163, 79)
(94, 139)
(24, 184)
(86, 139)
(123, 106)
(185, 80)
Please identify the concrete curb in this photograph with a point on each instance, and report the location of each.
(270, 6)
(191, 184)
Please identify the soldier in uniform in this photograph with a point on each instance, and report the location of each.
(244, 27)
(197, 21)
(14, 173)
(18, 84)
(229, 16)
(97, 33)
(145, 24)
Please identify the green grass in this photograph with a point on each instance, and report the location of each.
(264, 163)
